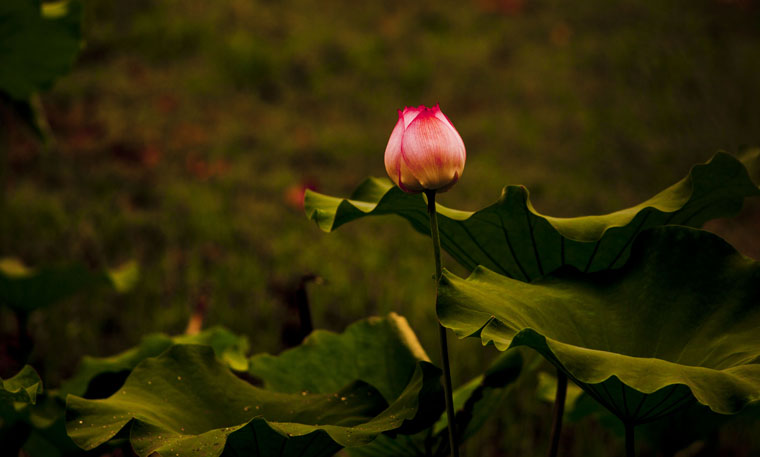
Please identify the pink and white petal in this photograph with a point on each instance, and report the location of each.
(433, 152)
(450, 185)
(407, 181)
(440, 115)
(393, 150)
(410, 113)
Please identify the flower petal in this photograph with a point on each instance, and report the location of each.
(410, 113)
(407, 181)
(433, 151)
(393, 150)
(440, 115)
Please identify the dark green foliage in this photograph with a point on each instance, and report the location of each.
(678, 322)
(474, 403)
(186, 402)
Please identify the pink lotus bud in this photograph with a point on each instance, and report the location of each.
(425, 151)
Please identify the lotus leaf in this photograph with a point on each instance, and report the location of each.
(186, 402)
(510, 237)
(229, 347)
(678, 322)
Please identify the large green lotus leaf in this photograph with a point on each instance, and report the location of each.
(38, 44)
(24, 289)
(474, 403)
(513, 239)
(383, 352)
(228, 347)
(185, 402)
(678, 322)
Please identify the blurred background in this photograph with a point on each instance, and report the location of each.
(188, 130)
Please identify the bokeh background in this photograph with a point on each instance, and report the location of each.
(187, 131)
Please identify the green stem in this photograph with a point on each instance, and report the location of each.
(630, 448)
(559, 411)
(441, 330)
(434, 234)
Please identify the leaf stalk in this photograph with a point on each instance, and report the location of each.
(451, 419)
(630, 445)
(559, 411)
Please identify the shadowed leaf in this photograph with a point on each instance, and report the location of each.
(474, 403)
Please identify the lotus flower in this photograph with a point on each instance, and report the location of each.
(425, 151)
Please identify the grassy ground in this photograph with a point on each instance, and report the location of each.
(186, 127)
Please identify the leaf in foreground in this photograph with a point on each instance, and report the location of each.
(511, 238)
(678, 322)
(185, 402)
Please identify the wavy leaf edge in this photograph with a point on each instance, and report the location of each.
(744, 378)
(425, 373)
(326, 220)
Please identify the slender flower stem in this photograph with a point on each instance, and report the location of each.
(442, 331)
(630, 447)
(559, 411)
